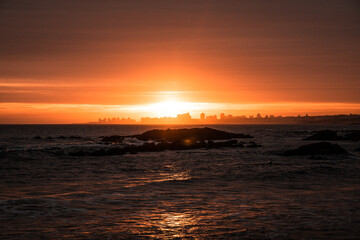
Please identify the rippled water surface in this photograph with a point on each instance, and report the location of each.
(228, 193)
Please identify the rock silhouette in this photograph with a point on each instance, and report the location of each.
(321, 148)
(324, 135)
(113, 139)
(253, 145)
(330, 135)
(195, 134)
(178, 139)
(353, 136)
(176, 135)
(158, 147)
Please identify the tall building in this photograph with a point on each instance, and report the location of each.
(211, 118)
(222, 116)
(202, 116)
(184, 117)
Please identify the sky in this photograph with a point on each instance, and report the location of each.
(75, 61)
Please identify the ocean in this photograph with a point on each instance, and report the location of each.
(224, 193)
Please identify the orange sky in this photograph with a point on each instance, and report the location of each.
(74, 61)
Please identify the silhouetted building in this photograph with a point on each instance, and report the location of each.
(214, 117)
(268, 119)
(222, 116)
(116, 121)
(183, 117)
(102, 121)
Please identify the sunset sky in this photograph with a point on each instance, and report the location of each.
(75, 61)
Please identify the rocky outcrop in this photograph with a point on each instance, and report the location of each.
(177, 139)
(330, 135)
(321, 148)
(324, 135)
(113, 139)
(178, 135)
(194, 134)
(353, 136)
(158, 147)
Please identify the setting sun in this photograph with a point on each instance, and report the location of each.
(169, 108)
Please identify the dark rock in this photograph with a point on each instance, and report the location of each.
(314, 157)
(162, 146)
(230, 143)
(117, 151)
(75, 137)
(100, 152)
(178, 139)
(147, 147)
(103, 152)
(78, 153)
(330, 135)
(113, 139)
(37, 137)
(193, 134)
(253, 145)
(327, 135)
(182, 145)
(201, 144)
(353, 136)
(321, 148)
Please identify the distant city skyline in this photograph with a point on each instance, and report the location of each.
(186, 118)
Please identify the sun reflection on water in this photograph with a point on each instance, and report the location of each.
(172, 174)
(176, 225)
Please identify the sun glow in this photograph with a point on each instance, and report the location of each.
(171, 108)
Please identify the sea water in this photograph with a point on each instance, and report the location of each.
(227, 193)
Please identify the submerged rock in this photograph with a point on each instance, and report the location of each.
(330, 135)
(230, 143)
(102, 152)
(327, 135)
(113, 139)
(321, 148)
(193, 134)
(353, 136)
(75, 137)
(253, 145)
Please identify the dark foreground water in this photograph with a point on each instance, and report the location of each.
(229, 193)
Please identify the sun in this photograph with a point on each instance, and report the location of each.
(170, 108)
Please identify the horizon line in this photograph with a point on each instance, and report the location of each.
(211, 122)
